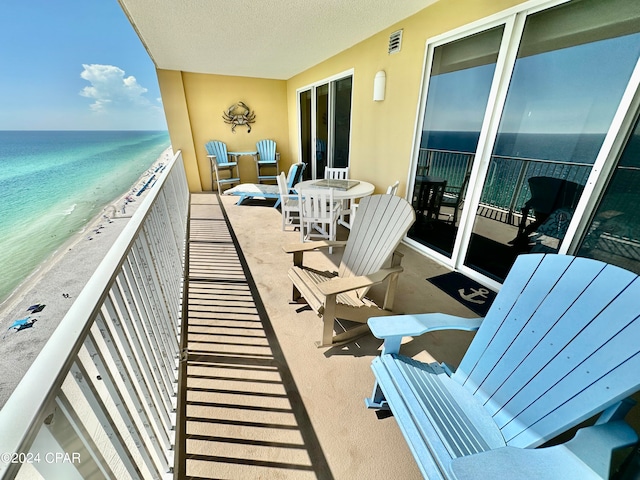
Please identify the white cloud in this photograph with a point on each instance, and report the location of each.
(110, 89)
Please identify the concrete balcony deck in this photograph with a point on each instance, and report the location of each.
(260, 400)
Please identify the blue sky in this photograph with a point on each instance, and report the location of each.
(74, 65)
(568, 90)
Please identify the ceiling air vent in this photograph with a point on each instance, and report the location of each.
(395, 42)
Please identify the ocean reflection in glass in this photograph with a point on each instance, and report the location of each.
(573, 64)
(461, 76)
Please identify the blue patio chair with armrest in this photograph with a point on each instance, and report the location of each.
(264, 191)
(219, 158)
(266, 157)
(558, 346)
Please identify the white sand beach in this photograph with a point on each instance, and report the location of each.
(58, 282)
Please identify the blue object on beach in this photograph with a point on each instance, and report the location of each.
(22, 324)
(38, 307)
(146, 185)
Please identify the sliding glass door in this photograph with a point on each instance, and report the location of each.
(461, 77)
(564, 91)
(511, 131)
(325, 125)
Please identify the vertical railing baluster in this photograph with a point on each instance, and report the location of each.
(149, 364)
(139, 288)
(120, 326)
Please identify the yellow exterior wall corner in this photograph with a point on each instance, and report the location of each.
(209, 96)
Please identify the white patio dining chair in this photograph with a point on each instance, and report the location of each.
(391, 190)
(336, 173)
(340, 173)
(319, 214)
(289, 204)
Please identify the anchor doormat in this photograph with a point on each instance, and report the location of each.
(470, 293)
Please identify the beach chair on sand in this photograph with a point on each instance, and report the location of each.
(558, 346)
(262, 191)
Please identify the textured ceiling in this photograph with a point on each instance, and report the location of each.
(258, 38)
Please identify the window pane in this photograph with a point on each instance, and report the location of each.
(573, 65)
(322, 128)
(457, 97)
(614, 233)
(305, 131)
(341, 121)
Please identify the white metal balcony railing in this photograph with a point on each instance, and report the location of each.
(506, 186)
(100, 399)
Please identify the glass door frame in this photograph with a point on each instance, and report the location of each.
(514, 20)
(312, 88)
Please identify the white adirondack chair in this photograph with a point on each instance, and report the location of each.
(382, 221)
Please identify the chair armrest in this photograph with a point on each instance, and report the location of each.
(309, 246)
(393, 328)
(587, 455)
(347, 284)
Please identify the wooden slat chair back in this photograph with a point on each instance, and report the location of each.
(219, 151)
(558, 346)
(318, 214)
(266, 150)
(266, 157)
(381, 223)
(336, 173)
(340, 173)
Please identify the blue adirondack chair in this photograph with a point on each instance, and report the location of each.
(219, 158)
(267, 157)
(558, 346)
(262, 191)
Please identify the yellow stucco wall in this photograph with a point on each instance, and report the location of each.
(382, 133)
(194, 104)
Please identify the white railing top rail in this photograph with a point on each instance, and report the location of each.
(23, 414)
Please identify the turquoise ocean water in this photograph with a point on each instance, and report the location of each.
(53, 183)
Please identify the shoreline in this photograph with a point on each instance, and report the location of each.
(59, 280)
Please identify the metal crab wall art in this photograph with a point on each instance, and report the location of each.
(239, 114)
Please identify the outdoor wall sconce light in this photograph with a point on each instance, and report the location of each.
(379, 84)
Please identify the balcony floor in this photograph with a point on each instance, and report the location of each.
(260, 400)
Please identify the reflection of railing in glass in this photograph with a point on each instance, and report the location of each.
(506, 185)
